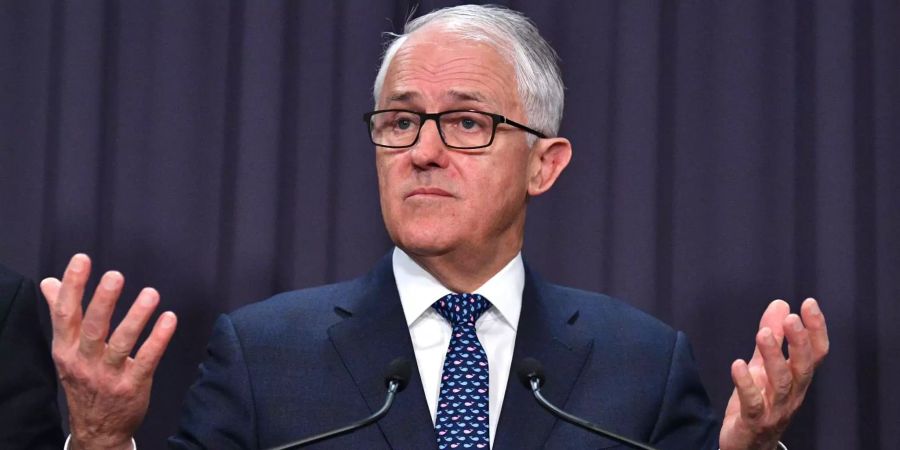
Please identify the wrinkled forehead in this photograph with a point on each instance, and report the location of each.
(436, 64)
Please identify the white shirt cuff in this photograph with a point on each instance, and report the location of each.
(69, 437)
(781, 446)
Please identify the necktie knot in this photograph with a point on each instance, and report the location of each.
(462, 309)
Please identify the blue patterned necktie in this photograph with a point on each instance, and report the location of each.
(462, 414)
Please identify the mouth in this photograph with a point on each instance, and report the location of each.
(428, 192)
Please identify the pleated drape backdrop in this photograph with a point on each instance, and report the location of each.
(726, 153)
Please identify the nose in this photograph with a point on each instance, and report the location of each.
(429, 151)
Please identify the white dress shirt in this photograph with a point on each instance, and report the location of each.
(430, 332)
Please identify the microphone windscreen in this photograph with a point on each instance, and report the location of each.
(529, 368)
(398, 370)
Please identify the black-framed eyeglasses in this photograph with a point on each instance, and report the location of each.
(464, 129)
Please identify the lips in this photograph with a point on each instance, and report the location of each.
(428, 191)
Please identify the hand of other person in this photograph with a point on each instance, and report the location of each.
(107, 390)
(769, 389)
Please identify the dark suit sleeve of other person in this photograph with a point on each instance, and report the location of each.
(29, 417)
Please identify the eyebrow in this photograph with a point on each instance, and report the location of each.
(403, 96)
(406, 96)
(466, 96)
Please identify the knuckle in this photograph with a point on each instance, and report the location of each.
(79, 374)
(143, 365)
(805, 372)
(127, 329)
(60, 357)
(62, 314)
(804, 377)
(800, 340)
(118, 348)
(91, 331)
(783, 384)
(122, 390)
(754, 413)
(754, 408)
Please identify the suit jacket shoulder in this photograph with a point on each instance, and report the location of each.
(304, 362)
(613, 364)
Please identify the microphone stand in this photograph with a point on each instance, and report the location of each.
(574, 420)
(392, 389)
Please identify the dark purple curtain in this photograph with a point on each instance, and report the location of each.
(726, 153)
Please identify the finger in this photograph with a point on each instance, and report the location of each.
(814, 320)
(50, 288)
(777, 370)
(774, 315)
(151, 352)
(95, 324)
(800, 351)
(126, 334)
(758, 373)
(66, 308)
(752, 403)
(772, 318)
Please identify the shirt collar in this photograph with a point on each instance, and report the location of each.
(419, 289)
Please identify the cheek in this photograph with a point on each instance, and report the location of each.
(386, 184)
(389, 178)
(496, 195)
(504, 179)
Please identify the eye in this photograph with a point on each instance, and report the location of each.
(469, 122)
(403, 123)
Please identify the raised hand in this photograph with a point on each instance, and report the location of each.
(769, 389)
(107, 390)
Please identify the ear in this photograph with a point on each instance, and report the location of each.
(548, 159)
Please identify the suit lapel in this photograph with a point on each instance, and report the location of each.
(542, 334)
(377, 333)
(366, 342)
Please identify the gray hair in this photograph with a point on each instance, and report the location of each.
(514, 36)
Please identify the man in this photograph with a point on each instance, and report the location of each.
(468, 103)
(29, 418)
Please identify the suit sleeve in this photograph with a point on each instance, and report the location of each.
(29, 416)
(218, 410)
(685, 415)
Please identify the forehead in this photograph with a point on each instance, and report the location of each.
(434, 69)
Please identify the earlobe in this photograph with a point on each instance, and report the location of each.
(549, 158)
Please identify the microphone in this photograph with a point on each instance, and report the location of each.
(531, 374)
(396, 377)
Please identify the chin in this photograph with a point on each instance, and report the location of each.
(423, 241)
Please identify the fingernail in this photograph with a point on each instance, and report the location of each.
(798, 324)
(815, 308)
(766, 334)
(112, 282)
(77, 263)
(168, 320)
(146, 299)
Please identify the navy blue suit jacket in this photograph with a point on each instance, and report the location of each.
(308, 361)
